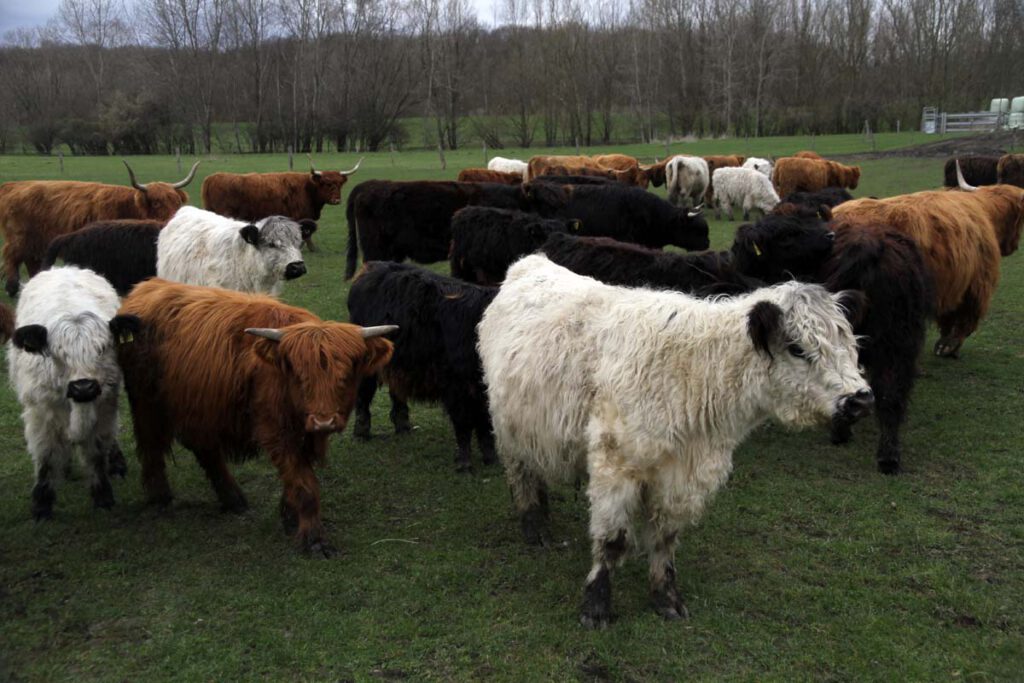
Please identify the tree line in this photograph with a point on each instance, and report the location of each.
(149, 76)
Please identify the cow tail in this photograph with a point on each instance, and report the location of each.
(53, 252)
(352, 251)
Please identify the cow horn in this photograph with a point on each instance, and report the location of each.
(312, 168)
(697, 210)
(960, 179)
(265, 332)
(354, 168)
(377, 330)
(188, 179)
(131, 176)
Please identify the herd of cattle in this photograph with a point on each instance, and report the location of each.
(566, 339)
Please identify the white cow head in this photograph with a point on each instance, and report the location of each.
(278, 240)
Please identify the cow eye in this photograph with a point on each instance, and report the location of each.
(797, 350)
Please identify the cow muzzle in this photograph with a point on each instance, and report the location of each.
(83, 390)
(294, 270)
(855, 406)
(324, 423)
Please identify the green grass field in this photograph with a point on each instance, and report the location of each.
(807, 566)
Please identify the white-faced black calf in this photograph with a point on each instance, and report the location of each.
(435, 355)
(629, 265)
(880, 262)
(486, 241)
(122, 251)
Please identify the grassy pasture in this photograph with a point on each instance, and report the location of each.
(807, 566)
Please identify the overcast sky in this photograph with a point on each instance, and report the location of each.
(29, 13)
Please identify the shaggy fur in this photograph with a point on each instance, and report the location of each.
(649, 393)
(1010, 170)
(830, 198)
(393, 220)
(961, 236)
(34, 212)
(621, 167)
(627, 214)
(252, 196)
(687, 179)
(435, 349)
(880, 262)
(486, 241)
(629, 265)
(193, 374)
(62, 365)
(745, 187)
(760, 165)
(566, 179)
(978, 169)
(483, 175)
(794, 174)
(201, 248)
(124, 252)
(808, 154)
(555, 173)
(507, 165)
(716, 162)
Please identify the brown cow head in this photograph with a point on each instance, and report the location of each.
(326, 186)
(318, 367)
(656, 172)
(160, 201)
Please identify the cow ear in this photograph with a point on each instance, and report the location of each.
(764, 324)
(854, 304)
(307, 226)
(30, 338)
(825, 212)
(378, 353)
(266, 351)
(250, 234)
(125, 327)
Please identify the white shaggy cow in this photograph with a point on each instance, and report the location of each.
(507, 165)
(200, 247)
(687, 180)
(743, 187)
(759, 164)
(648, 392)
(63, 367)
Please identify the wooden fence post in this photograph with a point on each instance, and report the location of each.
(291, 165)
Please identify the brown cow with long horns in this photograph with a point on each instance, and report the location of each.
(252, 196)
(228, 373)
(33, 212)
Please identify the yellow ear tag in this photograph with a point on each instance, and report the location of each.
(757, 249)
(127, 338)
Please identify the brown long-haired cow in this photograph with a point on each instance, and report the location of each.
(33, 212)
(799, 174)
(486, 175)
(252, 196)
(961, 236)
(228, 373)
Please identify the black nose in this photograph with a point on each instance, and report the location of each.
(830, 236)
(83, 390)
(294, 270)
(855, 406)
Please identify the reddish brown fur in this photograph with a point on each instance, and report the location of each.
(486, 175)
(195, 375)
(33, 212)
(719, 161)
(795, 174)
(808, 154)
(1010, 169)
(961, 236)
(7, 324)
(620, 167)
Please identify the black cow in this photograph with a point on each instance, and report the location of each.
(629, 265)
(122, 251)
(978, 169)
(830, 197)
(486, 241)
(395, 220)
(435, 356)
(575, 180)
(628, 214)
(880, 262)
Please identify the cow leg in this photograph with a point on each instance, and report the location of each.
(613, 498)
(461, 416)
(50, 454)
(718, 210)
(485, 438)
(33, 265)
(892, 384)
(12, 264)
(300, 501)
(664, 594)
(117, 466)
(153, 442)
(530, 497)
(224, 485)
(399, 413)
(364, 399)
(957, 325)
(98, 451)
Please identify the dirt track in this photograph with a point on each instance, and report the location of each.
(999, 143)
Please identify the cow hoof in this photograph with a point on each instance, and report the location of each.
(669, 607)
(840, 433)
(234, 502)
(103, 495)
(116, 464)
(948, 348)
(889, 467)
(463, 467)
(361, 430)
(489, 457)
(43, 498)
(289, 520)
(319, 550)
(535, 528)
(595, 622)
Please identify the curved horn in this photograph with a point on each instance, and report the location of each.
(312, 168)
(964, 185)
(265, 332)
(188, 179)
(377, 331)
(131, 176)
(354, 168)
(697, 210)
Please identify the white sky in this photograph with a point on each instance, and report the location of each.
(28, 13)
